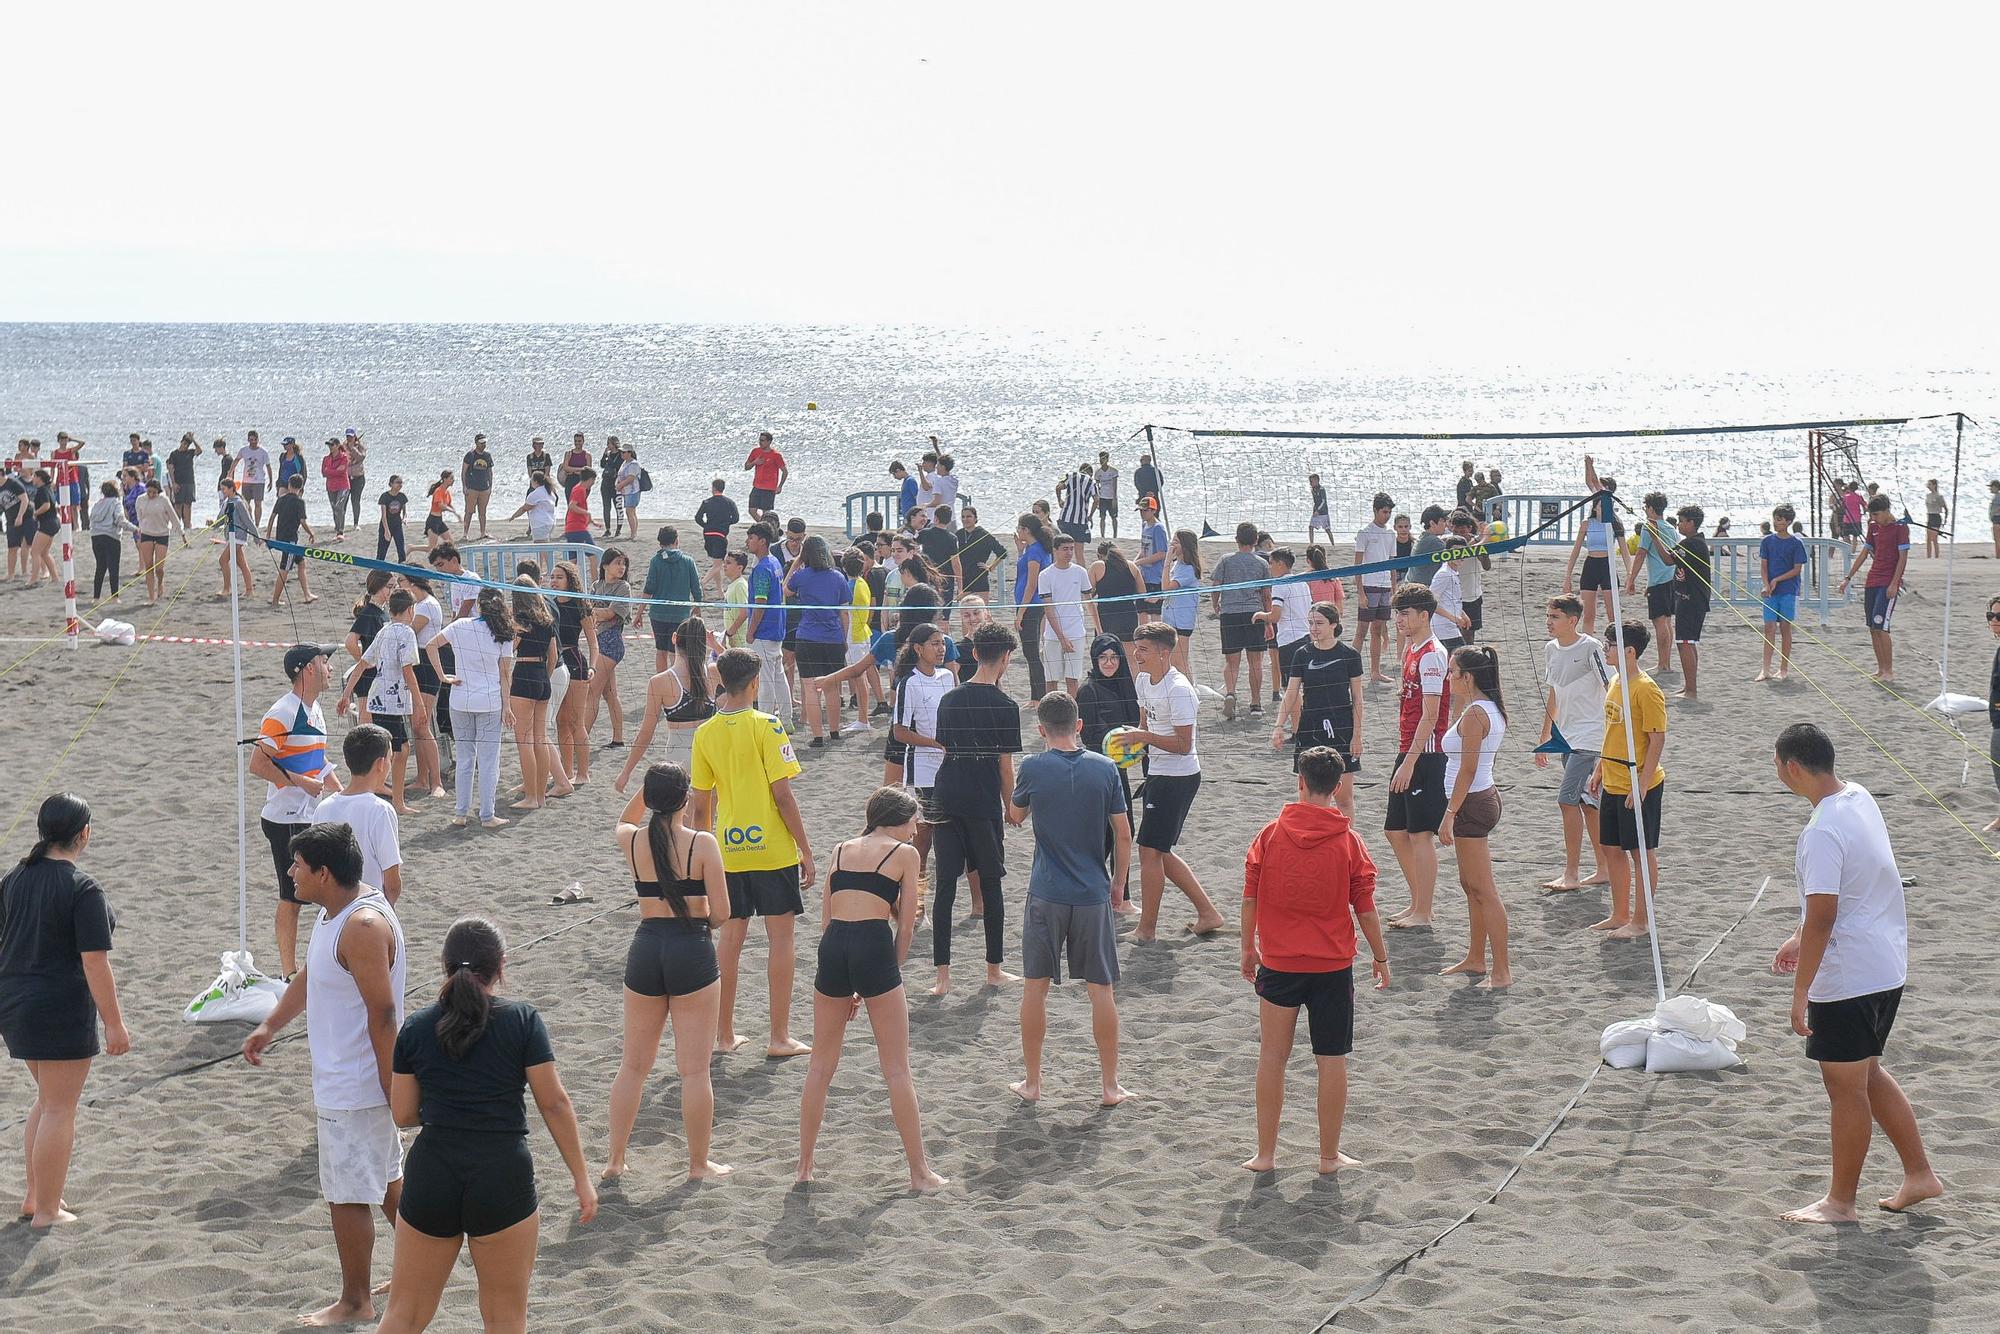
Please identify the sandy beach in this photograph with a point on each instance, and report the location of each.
(1652, 1205)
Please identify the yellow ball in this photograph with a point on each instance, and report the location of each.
(1632, 544)
(1497, 530)
(1121, 749)
(812, 407)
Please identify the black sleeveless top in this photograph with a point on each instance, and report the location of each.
(1117, 618)
(690, 707)
(886, 887)
(688, 887)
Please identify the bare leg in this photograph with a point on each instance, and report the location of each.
(1853, 1124)
(1898, 1120)
(1206, 918)
(505, 1262)
(51, 1139)
(889, 1016)
(1572, 822)
(829, 1035)
(1332, 1112)
(288, 937)
(729, 955)
(1640, 914)
(354, 1239)
(780, 934)
(645, 1023)
(1619, 864)
(1034, 1029)
(1416, 854)
(1104, 1032)
(1152, 885)
(422, 1267)
(1277, 1027)
(694, 1041)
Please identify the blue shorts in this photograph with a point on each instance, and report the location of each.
(1781, 607)
(1880, 607)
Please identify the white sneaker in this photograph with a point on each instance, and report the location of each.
(855, 728)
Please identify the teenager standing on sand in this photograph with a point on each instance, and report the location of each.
(351, 992)
(55, 980)
(1416, 787)
(1576, 675)
(1619, 813)
(1472, 808)
(1307, 880)
(1849, 960)
(1170, 709)
(979, 729)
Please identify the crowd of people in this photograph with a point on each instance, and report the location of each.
(714, 837)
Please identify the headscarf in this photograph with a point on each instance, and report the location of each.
(1104, 701)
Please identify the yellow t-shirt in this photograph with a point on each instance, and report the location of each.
(1649, 715)
(857, 620)
(733, 599)
(737, 756)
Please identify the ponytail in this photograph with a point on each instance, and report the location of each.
(377, 581)
(891, 806)
(1481, 664)
(666, 793)
(61, 821)
(691, 638)
(906, 660)
(473, 955)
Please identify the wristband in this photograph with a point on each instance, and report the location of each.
(1381, 961)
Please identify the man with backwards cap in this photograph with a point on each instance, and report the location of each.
(290, 756)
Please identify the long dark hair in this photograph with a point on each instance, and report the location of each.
(666, 793)
(691, 641)
(60, 822)
(1037, 530)
(1115, 559)
(377, 581)
(891, 806)
(1481, 664)
(493, 611)
(473, 954)
(1188, 547)
(531, 609)
(906, 659)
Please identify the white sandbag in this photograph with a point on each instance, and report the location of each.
(1668, 1052)
(1623, 1045)
(116, 632)
(1699, 1018)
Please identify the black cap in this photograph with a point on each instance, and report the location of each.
(299, 656)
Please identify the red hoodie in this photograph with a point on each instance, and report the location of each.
(1310, 875)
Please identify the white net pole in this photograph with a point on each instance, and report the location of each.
(242, 760)
(1950, 527)
(66, 481)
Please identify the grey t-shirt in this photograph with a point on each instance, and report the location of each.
(1426, 544)
(1071, 795)
(1236, 568)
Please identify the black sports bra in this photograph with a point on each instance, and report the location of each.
(886, 887)
(689, 887)
(689, 708)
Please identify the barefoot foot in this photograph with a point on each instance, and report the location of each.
(1263, 1162)
(1608, 924)
(340, 1313)
(41, 1224)
(1027, 1090)
(1823, 1211)
(1914, 1190)
(1207, 926)
(1561, 884)
(1630, 931)
(1464, 966)
(1113, 1096)
(730, 1043)
(780, 1049)
(1495, 982)
(710, 1169)
(1328, 1166)
(927, 1182)
(999, 977)
(1412, 923)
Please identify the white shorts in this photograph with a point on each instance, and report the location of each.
(360, 1153)
(855, 653)
(1057, 663)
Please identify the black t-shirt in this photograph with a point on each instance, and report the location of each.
(540, 461)
(483, 1090)
(569, 621)
(477, 471)
(531, 651)
(1465, 485)
(1326, 700)
(976, 723)
(938, 546)
(47, 518)
(718, 514)
(1696, 572)
(51, 914)
(12, 489)
(977, 549)
(368, 623)
(1146, 480)
(393, 504)
(286, 516)
(180, 466)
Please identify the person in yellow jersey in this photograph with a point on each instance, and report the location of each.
(1619, 814)
(741, 771)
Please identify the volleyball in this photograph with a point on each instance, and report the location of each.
(1121, 748)
(1497, 529)
(1632, 544)
(812, 407)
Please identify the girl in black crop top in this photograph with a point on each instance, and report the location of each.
(671, 970)
(679, 697)
(870, 915)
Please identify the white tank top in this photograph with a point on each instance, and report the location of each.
(343, 1057)
(1454, 747)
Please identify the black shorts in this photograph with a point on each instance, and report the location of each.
(671, 956)
(791, 640)
(1164, 803)
(427, 677)
(1597, 574)
(397, 725)
(857, 959)
(20, 534)
(467, 1183)
(286, 560)
(435, 523)
(280, 838)
(1854, 1029)
(1107, 506)
(1688, 617)
(1475, 612)
(715, 544)
(48, 1019)
(184, 495)
(663, 633)
(1419, 808)
(1309, 736)
(817, 658)
(1659, 601)
(1240, 633)
(1615, 825)
(1328, 999)
(762, 499)
(764, 893)
(529, 685)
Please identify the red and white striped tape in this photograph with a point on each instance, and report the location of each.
(213, 643)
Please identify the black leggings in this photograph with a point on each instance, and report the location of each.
(338, 499)
(967, 843)
(356, 485)
(390, 530)
(1031, 650)
(607, 489)
(106, 548)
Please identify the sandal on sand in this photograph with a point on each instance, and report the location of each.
(564, 898)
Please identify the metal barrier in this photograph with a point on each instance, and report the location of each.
(861, 503)
(1523, 514)
(1739, 575)
(497, 560)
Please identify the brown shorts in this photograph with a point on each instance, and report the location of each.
(1477, 816)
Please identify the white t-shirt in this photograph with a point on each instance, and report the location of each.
(1375, 542)
(917, 708)
(926, 489)
(428, 617)
(375, 827)
(1107, 483)
(393, 648)
(1064, 589)
(541, 503)
(944, 487)
(477, 655)
(1293, 601)
(1471, 577)
(1844, 850)
(293, 734)
(1450, 594)
(1580, 678)
(1168, 703)
(253, 465)
(461, 596)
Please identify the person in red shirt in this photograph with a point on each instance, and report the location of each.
(768, 476)
(1886, 554)
(1307, 880)
(1416, 785)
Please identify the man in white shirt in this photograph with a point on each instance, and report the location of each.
(364, 809)
(253, 473)
(1168, 708)
(944, 487)
(1848, 960)
(290, 756)
(1063, 587)
(1375, 542)
(1577, 677)
(1107, 496)
(1290, 605)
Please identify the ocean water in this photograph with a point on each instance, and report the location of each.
(1016, 408)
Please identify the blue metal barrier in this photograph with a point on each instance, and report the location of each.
(1739, 575)
(862, 503)
(497, 560)
(1523, 514)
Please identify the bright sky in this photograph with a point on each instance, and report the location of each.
(1525, 182)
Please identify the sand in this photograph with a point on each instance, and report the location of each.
(1652, 1206)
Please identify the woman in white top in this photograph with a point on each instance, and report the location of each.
(427, 618)
(483, 651)
(157, 521)
(921, 680)
(1472, 806)
(682, 697)
(540, 507)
